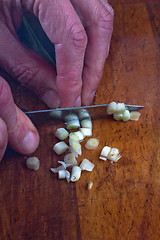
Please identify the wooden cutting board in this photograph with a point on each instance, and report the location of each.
(124, 202)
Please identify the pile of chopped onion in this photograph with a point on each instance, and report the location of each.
(84, 123)
(120, 113)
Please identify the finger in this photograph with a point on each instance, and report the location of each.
(22, 135)
(28, 67)
(64, 28)
(3, 138)
(98, 21)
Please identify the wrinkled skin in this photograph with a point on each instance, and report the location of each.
(81, 32)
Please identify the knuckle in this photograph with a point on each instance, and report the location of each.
(73, 83)
(78, 35)
(104, 18)
(24, 74)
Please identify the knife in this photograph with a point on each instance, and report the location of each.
(59, 114)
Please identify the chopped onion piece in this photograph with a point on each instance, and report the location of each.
(65, 165)
(68, 176)
(126, 116)
(61, 133)
(114, 155)
(73, 138)
(92, 143)
(76, 148)
(70, 160)
(112, 108)
(56, 170)
(121, 107)
(105, 151)
(76, 173)
(56, 114)
(86, 165)
(73, 124)
(72, 121)
(118, 116)
(103, 158)
(61, 167)
(79, 135)
(62, 174)
(134, 116)
(86, 123)
(33, 163)
(71, 117)
(82, 114)
(87, 132)
(60, 147)
(90, 185)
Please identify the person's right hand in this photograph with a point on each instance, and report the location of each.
(81, 32)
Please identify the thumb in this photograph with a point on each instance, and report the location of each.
(22, 135)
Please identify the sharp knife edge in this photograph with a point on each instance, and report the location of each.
(48, 116)
(129, 107)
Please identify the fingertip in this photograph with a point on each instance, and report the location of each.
(91, 97)
(77, 102)
(51, 98)
(24, 138)
(30, 142)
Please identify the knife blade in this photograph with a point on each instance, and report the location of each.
(59, 114)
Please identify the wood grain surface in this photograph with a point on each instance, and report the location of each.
(124, 203)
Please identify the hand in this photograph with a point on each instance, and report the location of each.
(81, 32)
(15, 127)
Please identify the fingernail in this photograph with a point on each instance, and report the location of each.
(77, 102)
(91, 97)
(29, 143)
(51, 98)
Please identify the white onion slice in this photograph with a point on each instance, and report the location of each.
(92, 143)
(134, 116)
(90, 185)
(86, 123)
(82, 114)
(71, 117)
(56, 170)
(126, 116)
(118, 116)
(68, 176)
(114, 155)
(70, 160)
(33, 163)
(112, 108)
(73, 138)
(60, 147)
(61, 133)
(73, 124)
(76, 174)
(87, 132)
(103, 158)
(105, 151)
(79, 135)
(121, 107)
(62, 174)
(75, 148)
(86, 165)
(63, 163)
(63, 166)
